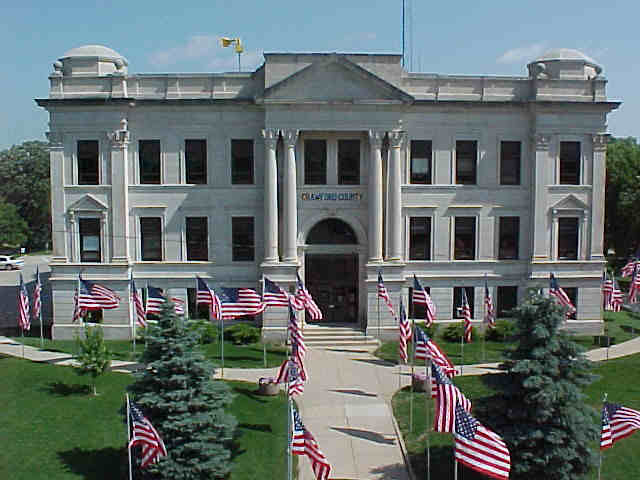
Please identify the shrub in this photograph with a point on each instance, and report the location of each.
(453, 332)
(242, 334)
(206, 331)
(430, 331)
(503, 331)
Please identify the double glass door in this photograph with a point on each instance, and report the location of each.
(332, 280)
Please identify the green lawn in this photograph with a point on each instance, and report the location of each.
(620, 325)
(52, 429)
(620, 378)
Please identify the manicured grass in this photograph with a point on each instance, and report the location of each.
(121, 349)
(620, 378)
(55, 430)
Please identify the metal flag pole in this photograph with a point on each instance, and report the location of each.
(289, 434)
(455, 462)
(134, 313)
(22, 334)
(40, 309)
(264, 345)
(462, 346)
(427, 395)
(604, 400)
(129, 436)
(413, 357)
(378, 297)
(399, 359)
(485, 323)
(222, 340)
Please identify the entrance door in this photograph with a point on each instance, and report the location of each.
(332, 281)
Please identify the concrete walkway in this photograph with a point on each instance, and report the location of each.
(346, 404)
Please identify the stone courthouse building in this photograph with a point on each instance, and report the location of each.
(334, 165)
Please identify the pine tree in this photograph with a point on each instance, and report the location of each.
(177, 393)
(94, 357)
(541, 414)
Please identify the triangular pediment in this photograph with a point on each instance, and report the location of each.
(334, 80)
(570, 202)
(88, 203)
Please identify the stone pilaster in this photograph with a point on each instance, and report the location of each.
(394, 248)
(599, 143)
(290, 251)
(375, 196)
(540, 171)
(58, 223)
(120, 194)
(270, 195)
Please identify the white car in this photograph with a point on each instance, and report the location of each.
(11, 262)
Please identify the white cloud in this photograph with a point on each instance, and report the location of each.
(208, 49)
(522, 54)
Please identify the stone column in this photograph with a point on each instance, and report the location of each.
(270, 136)
(58, 224)
(584, 253)
(555, 229)
(394, 248)
(120, 194)
(597, 195)
(375, 196)
(290, 251)
(541, 169)
(74, 250)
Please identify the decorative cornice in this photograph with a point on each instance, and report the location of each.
(119, 138)
(270, 136)
(376, 137)
(600, 141)
(290, 137)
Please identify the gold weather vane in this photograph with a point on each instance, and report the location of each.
(227, 42)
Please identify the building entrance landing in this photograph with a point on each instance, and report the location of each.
(332, 280)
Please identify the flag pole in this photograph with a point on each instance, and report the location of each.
(134, 314)
(455, 462)
(427, 395)
(40, 309)
(129, 437)
(378, 297)
(462, 346)
(484, 333)
(399, 333)
(222, 340)
(264, 346)
(413, 358)
(604, 399)
(22, 333)
(289, 432)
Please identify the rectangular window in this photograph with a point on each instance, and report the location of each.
(88, 162)
(243, 246)
(568, 238)
(457, 301)
(569, 163)
(572, 293)
(510, 163)
(348, 162)
(242, 162)
(197, 238)
(315, 162)
(194, 310)
(195, 156)
(507, 301)
(420, 238)
(421, 162)
(466, 158)
(509, 238)
(417, 310)
(149, 161)
(151, 238)
(90, 248)
(465, 238)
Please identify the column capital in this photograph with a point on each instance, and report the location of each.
(290, 137)
(270, 136)
(600, 141)
(376, 137)
(541, 141)
(72, 216)
(397, 138)
(55, 139)
(119, 138)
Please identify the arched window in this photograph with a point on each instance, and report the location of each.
(332, 231)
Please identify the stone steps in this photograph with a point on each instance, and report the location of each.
(336, 336)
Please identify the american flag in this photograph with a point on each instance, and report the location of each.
(421, 297)
(627, 270)
(37, 297)
(273, 295)
(490, 311)
(384, 295)
(143, 433)
(404, 333)
(294, 381)
(466, 316)
(303, 443)
(23, 306)
(618, 422)
(617, 297)
(296, 337)
(285, 369)
(427, 348)
(561, 296)
(206, 296)
(479, 448)
(634, 287)
(178, 305)
(607, 291)
(305, 298)
(78, 312)
(93, 296)
(155, 300)
(238, 302)
(138, 307)
(447, 396)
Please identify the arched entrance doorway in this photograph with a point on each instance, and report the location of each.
(331, 270)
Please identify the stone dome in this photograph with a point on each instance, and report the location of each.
(99, 51)
(91, 60)
(566, 63)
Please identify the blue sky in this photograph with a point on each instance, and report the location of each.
(490, 37)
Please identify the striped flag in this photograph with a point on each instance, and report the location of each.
(404, 334)
(273, 295)
(421, 297)
(37, 297)
(303, 443)
(447, 396)
(143, 433)
(560, 295)
(206, 296)
(634, 287)
(305, 298)
(617, 297)
(78, 312)
(93, 296)
(239, 302)
(138, 307)
(155, 300)
(178, 305)
(627, 270)
(24, 322)
(427, 348)
(285, 369)
(296, 337)
(607, 291)
(384, 295)
(490, 311)
(466, 316)
(479, 448)
(618, 422)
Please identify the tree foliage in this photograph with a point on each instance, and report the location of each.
(187, 407)
(13, 229)
(94, 357)
(540, 411)
(25, 183)
(622, 222)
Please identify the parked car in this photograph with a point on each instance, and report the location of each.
(11, 262)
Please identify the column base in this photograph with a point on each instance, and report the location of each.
(124, 260)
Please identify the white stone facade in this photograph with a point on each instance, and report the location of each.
(294, 98)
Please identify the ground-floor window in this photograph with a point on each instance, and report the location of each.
(457, 301)
(572, 293)
(196, 311)
(507, 300)
(417, 310)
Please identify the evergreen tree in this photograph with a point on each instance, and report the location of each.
(94, 357)
(541, 414)
(187, 407)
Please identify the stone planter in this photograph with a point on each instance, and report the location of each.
(268, 387)
(417, 381)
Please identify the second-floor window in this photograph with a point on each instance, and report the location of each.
(149, 161)
(510, 163)
(197, 237)
(457, 301)
(420, 238)
(195, 158)
(242, 239)
(509, 238)
(88, 155)
(151, 238)
(90, 244)
(315, 162)
(348, 162)
(242, 162)
(421, 162)
(466, 158)
(465, 238)
(568, 230)
(569, 163)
